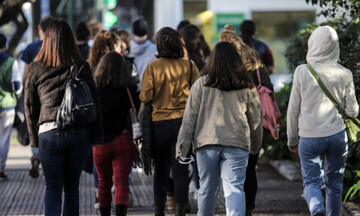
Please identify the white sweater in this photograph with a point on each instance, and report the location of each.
(310, 112)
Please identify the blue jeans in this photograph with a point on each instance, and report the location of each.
(7, 116)
(230, 163)
(323, 160)
(63, 154)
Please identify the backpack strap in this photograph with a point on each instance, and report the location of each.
(258, 75)
(73, 71)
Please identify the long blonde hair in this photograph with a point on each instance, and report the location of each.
(249, 56)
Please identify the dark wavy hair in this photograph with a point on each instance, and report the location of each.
(192, 34)
(104, 42)
(168, 44)
(111, 71)
(225, 69)
(194, 41)
(58, 48)
(247, 27)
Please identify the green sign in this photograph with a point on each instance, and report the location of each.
(110, 19)
(110, 4)
(222, 19)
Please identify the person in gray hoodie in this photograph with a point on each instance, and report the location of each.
(142, 49)
(312, 116)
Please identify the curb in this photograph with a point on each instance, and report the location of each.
(288, 169)
(350, 209)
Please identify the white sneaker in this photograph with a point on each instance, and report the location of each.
(192, 187)
(196, 194)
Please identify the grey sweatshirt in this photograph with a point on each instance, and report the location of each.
(310, 112)
(144, 52)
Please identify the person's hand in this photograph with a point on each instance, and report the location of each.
(147, 165)
(185, 160)
(293, 148)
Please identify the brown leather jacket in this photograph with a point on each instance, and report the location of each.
(44, 91)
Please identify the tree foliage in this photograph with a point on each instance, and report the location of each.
(334, 8)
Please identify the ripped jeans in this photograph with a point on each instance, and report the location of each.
(323, 160)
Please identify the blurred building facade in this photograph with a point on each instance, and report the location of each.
(277, 20)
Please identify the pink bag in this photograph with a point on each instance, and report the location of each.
(271, 112)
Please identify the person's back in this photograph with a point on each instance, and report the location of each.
(143, 53)
(140, 47)
(63, 151)
(10, 86)
(248, 31)
(82, 36)
(172, 79)
(222, 123)
(314, 126)
(318, 116)
(165, 85)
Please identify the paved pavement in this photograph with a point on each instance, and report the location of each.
(23, 195)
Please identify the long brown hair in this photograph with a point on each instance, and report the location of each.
(104, 42)
(59, 48)
(111, 71)
(225, 69)
(249, 56)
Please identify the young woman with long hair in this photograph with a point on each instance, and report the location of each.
(195, 43)
(222, 122)
(252, 62)
(114, 158)
(104, 42)
(166, 85)
(63, 153)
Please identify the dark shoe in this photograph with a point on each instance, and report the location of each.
(3, 177)
(249, 210)
(188, 207)
(35, 162)
(130, 200)
(121, 210)
(319, 214)
(159, 205)
(105, 211)
(180, 209)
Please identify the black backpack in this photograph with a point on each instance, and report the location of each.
(77, 108)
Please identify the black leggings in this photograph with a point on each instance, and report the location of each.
(164, 142)
(250, 185)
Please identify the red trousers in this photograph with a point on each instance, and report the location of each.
(114, 159)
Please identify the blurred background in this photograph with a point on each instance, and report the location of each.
(277, 20)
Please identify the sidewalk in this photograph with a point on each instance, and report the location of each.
(22, 195)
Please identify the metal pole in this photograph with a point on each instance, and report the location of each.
(69, 13)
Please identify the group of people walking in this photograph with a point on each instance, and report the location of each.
(205, 110)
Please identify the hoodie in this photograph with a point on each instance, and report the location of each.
(143, 52)
(310, 113)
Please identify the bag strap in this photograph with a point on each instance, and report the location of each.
(73, 71)
(190, 65)
(258, 75)
(326, 91)
(190, 70)
(131, 100)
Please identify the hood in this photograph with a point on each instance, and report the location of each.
(138, 47)
(323, 46)
(3, 57)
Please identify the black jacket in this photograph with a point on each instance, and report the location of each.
(44, 91)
